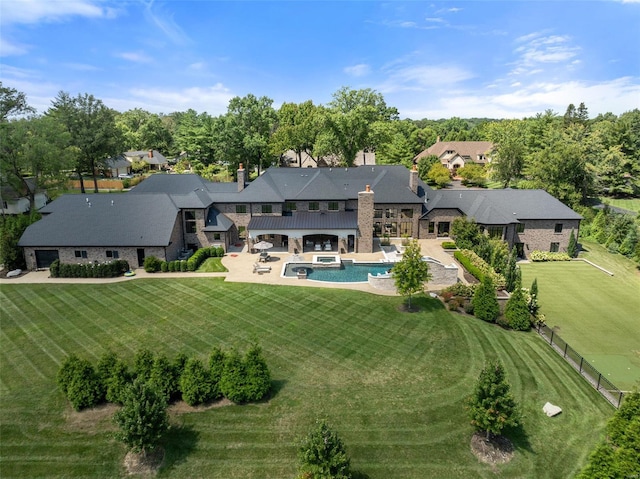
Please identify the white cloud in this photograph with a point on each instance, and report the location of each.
(165, 22)
(36, 11)
(9, 48)
(362, 69)
(214, 99)
(616, 96)
(81, 67)
(136, 57)
(422, 77)
(538, 49)
(434, 20)
(198, 66)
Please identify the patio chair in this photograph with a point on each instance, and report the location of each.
(258, 268)
(317, 247)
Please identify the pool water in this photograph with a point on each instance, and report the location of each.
(349, 272)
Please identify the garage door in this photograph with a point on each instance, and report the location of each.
(44, 257)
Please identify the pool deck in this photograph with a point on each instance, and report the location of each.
(240, 263)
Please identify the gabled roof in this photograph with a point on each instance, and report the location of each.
(152, 157)
(500, 207)
(469, 149)
(104, 220)
(216, 221)
(390, 184)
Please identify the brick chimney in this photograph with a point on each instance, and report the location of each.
(413, 180)
(150, 153)
(365, 220)
(241, 177)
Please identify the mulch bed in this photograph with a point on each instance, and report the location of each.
(144, 465)
(497, 450)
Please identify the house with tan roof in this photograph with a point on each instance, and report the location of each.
(455, 154)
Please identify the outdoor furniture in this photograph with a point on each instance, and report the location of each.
(258, 268)
(264, 257)
(327, 247)
(302, 273)
(318, 247)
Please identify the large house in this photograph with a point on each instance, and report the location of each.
(301, 210)
(456, 154)
(16, 202)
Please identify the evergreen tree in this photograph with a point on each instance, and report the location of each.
(143, 419)
(323, 455)
(411, 272)
(143, 364)
(510, 274)
(163, 377)
(492, 406)
(572, 248)
(258, 375)
(516, 310)
(195, 383)
(485, 304)
(216, 367)
(630, 241)
(233, 382)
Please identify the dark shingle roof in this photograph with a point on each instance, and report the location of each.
(500, 207)
(390, 184)
(216, 221)
(306, 221)
(104, 220)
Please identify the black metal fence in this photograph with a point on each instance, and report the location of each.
(586, 370)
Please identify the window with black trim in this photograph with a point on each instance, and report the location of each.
(406, 213)
(80, 253)
(377, 213)
(432, 226)
(314, 206)
(333, 206)
(190, 221)
(520, 228)
(113, 254)
(290, 206)
(554, 248)
(241, 209)
(558, 228)
(267, 209)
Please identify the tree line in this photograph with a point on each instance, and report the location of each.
(571, 156)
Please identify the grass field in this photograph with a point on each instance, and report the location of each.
(391, 384)
(212, 265)
(597, 314)
(631, 204)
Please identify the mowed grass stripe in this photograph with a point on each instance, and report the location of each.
(392, 384)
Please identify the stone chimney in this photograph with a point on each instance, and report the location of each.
(413, 180)
(241, 177)
(365, 220)
(150, 153)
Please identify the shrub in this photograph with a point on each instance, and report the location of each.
(183, 266)
(516, 311)
(54, 269)
(479, 268)
(459, 289)
(258, 381)
(151, 264)
(172, 266)
(448, 245)
(234, 378)
(143, 364)
(549, 256)
(485, 304)
(79, 381)
(323, 455)
(164, 266)
(219, 251)
(216, 367)
(163, 377)
(468, 307)
(195, 383)
(118, 383)
(101, 270)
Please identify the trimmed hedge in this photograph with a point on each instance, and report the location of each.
(202, 254)
(449, 245)
(479, 268)
(549, 256)
(110, 269)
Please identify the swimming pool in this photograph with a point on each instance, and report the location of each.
(348, 272)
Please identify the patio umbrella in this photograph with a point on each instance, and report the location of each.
(262, 245)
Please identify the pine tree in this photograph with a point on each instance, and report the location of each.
(485, 304)
(143, 419)
(195, 383)
(258, 375)
(323, 455)
(492, 406)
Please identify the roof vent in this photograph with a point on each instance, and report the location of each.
(113, 203)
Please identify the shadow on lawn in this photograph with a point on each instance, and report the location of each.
(519, 438)
(425, 304)
(179, 443)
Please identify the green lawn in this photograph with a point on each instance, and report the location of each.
(631, 204)
(212, 265)
(597, 314)
(391, 384)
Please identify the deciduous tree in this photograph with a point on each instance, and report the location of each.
(411, 272)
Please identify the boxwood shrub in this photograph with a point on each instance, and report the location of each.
(537, 255)
(478, 267)
(449, 245)
(110, 269)
(152, 264)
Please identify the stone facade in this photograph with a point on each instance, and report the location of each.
(436, 217)
(542, 235)
(365, 221)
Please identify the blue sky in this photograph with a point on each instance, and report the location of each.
(506, 59)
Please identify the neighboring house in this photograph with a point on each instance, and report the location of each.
(117, 166)
(301, 210)
(290, 158)
(153, 158)
(455, 154)
(16, 203)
